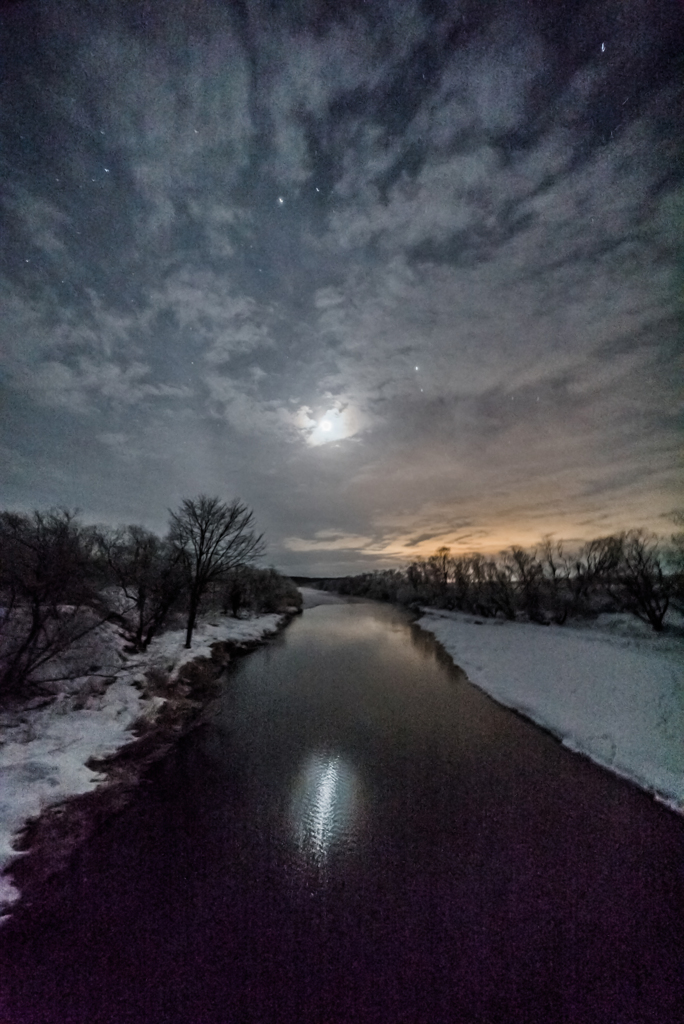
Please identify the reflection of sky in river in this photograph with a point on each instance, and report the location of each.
(325, 809)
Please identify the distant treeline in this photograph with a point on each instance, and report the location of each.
(61, 581)
(632, 572)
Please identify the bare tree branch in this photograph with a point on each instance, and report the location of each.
(213, 538)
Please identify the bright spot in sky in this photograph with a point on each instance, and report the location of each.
(332, 425)
(281, 200)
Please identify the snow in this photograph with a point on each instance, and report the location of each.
(168, 651)
(45, 744)
(612, 689)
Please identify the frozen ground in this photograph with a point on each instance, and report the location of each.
(45, 743)
(612, 689)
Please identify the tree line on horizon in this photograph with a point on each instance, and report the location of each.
(61, 581)
(634, 572)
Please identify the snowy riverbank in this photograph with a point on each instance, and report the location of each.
(48, 745)
(611, 689)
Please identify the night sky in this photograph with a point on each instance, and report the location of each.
(395, 274)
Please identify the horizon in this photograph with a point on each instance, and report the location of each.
(399, 277)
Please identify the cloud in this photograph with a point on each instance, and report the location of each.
(334, 424)
(78, 388)
(41, 223)
(239, 404)
(458, 327)
(576, 275)
(167, 115)
(329, 540)
(210, 317)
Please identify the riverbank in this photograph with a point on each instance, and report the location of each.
(610, 689)
(69, 761)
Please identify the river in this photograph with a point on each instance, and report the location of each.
(356, 834)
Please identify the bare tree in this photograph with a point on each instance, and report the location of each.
(212, 537)
(497, 588)
(235, 591)
(592, 571)
(271, 592)
(47, 591)
(461, 585)
(528, 574)
(644, 585)
(675, 558)
(150, 577)
(440, 565)
(476, 582)
(556, 576)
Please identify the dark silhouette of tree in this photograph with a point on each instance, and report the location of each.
(644, 587)
(212, 538)
(269, 591)
(528, 574)
(675, 559)
(496, 588)
(556, 569)
(633, 571)
(48, 591)
(150, 576)
(592, 572)
(236, 591)
(440, 565)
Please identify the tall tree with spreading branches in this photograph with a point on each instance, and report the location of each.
(213, 538)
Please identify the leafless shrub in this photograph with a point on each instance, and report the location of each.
(49, 593)
(643, 585)
(150, 578)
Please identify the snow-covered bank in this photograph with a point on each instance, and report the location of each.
(612, 690)
(46, 744)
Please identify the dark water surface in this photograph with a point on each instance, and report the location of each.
(357, 834)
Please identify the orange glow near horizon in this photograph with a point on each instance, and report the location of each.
(493, 542)
(395, 550)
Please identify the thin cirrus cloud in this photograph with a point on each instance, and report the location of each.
(381, 276)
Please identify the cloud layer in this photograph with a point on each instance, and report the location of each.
(396, 277)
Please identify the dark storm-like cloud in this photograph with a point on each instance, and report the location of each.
(381, 272)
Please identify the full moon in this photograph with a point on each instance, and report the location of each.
(330, 424)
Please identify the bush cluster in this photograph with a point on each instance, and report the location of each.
(61, 581)
(634, 572)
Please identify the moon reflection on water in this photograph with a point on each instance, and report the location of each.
(325, 810)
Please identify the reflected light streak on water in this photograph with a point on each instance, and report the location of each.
(325, 809)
